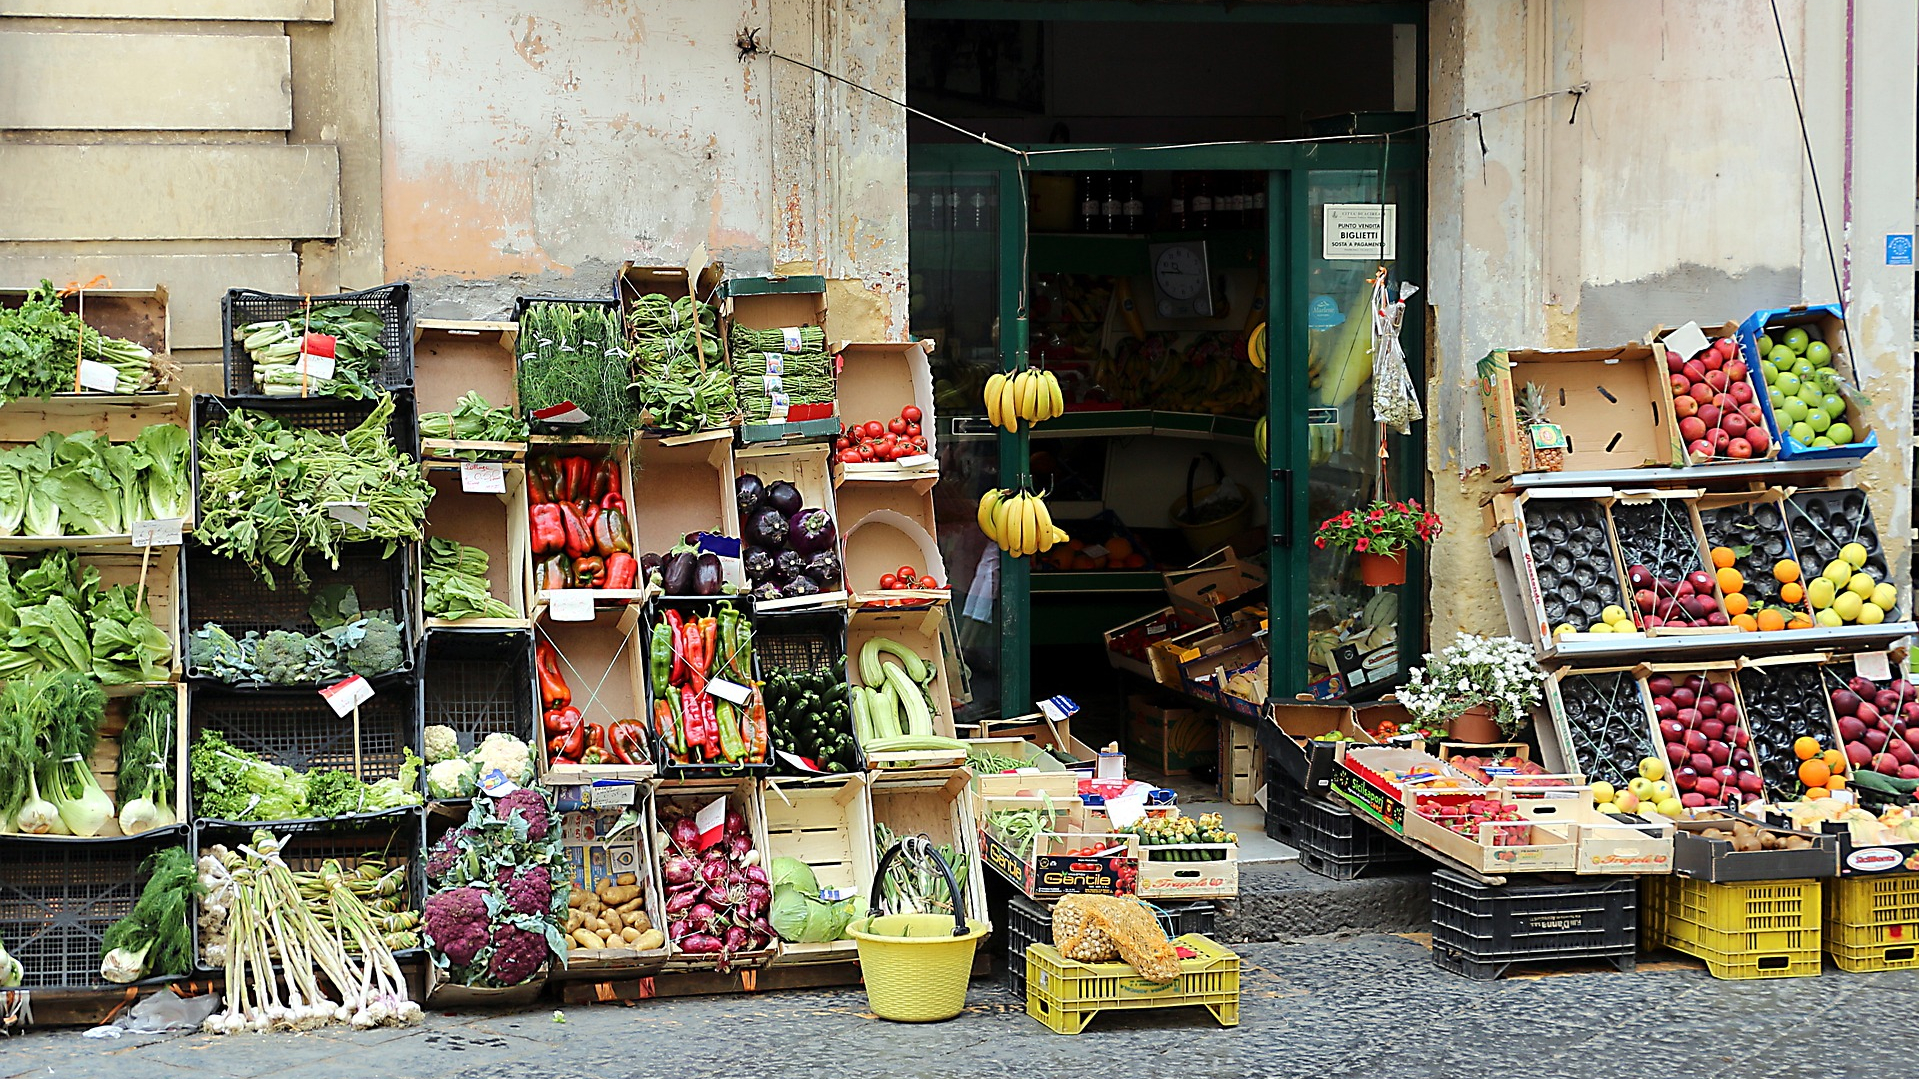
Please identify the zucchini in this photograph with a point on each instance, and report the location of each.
(884, 706)
(919, 717)
(911, 741)
(870, 673)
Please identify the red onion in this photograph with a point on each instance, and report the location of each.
(680, 902)
(757, 874)
(758, 893)
(714, 872)
(685, 832)
(701, 944)
(679, 870)
(678, 929)
(716, 895)
(735, 825)
(740, 844)
(700, 917)
(736, 939)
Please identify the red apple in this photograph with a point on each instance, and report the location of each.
(1735, 424)
(1886, 764)
(1685, 697)
(1741, 393)
(1680, 384)
(1735, 368)
(1856, 752)
(1711, 360)
(1711, 728)
(1645, 600)
(1717, 618)
(1874, 738)
(1716, 378)
(1850, 728)
(1677, 753)
(1675, 362)
(1693, 428)
(1696, 742)
(1739, 449)
(1720, 440)
(1693, 800)
(1684, 777)
(1700, 392)
(1701, 581)
(1694, 370)
(1707, 786)
(1867, 713)
(1845, 702)
(1740, 737)
(1708, 414)
(1750, 782)
(1909, 771)
(1720, 752)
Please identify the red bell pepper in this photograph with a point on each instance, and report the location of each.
(579, 541)
(695, 720)
(560, 720)
(606, 479)
(579, 479)
(627, 741)
(622, 570)
(543, 479)
(556, 572)
(589, 572)
(549, 531)
(610, 533)
(576, 742)
(553, 689)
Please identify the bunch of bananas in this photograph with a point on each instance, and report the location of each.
(1018, 522)
(1027, 395)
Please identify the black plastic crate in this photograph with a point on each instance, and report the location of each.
(1334, 842)
(330, 415)
(803, 641)
(395, 839)
(694, 608)
(1480, 930)
(228, 593)
(296, 728)
(59, 896)
(1282, 804)
(393, 303)
(1823, 520)
(1028, 921)
(479, 682)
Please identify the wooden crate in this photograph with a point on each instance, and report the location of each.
(116, 418)
(105, 762)
(939, 805)
(141, 316)
(1242, 763)
(889, 525)
(494, 523)
(621, 453)
(604, 664)
(451, 357)
(918, 629)
(876, 382)
(1162, 875)
(828, 824)
(686, 797)
(682, 485)
(806, 467)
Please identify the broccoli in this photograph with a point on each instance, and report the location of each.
(214, 651)
(381, 650)
(284, 658)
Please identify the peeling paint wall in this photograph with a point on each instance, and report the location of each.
(1678, 191)
(530, 148)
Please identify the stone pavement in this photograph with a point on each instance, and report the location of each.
(1368, 1005)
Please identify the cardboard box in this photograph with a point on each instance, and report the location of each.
(776, 302)
(1359, 780)
(681, 486)
(138, 315)
(688, 797)
(876, 381)
(1516, 568)
(1607, 845)
(593, 859)
(1503, 847)
(1049, 870)
(1289, 732)
(620, 453)
(1170, 741)
(1163, 656)
(493, 523)
(1188, 871)
(454, 356)
(881, 542)
(1658, 338)
(1199, 588)
(1126, 643)
(1827, 323)
(1042, 774)
(1614, 406)
(1242, 763)
(603, 662)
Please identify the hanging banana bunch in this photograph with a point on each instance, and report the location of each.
(1019, 522)
(1030, 395)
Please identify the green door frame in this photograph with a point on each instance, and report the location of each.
(1288, 238)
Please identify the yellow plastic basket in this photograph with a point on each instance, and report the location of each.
(916, 966)
(1872, 923)
(1065, 994)
(1743, 931)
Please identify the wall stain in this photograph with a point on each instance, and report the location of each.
(530, 46)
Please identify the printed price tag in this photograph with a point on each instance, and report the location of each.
(1157, 629)
(792, 335)
(1127, 809)
(95, 375)
(316, 366)
(496, 784)
(609, 794)
(801, 763)
(570, 604)
(351, 514)
(1876, 666)
(838, 895)
(482, 478)
(729, 691)
(776, 410)
(345, 696)
(1059, 709)
(164, 532)
(564, 413)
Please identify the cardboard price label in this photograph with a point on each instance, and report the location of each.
(602, 794)
(729, 691)
(570, 605)
(351, 514)
(344, 696)
(482, 478)
(95, 375)
(163, 532)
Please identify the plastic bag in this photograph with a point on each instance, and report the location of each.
(1395, 400)
(1099, 928)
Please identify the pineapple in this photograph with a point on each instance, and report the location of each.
(1532, 410)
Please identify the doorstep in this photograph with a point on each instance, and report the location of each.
(1195, 798)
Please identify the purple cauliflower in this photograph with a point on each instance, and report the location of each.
(530, 806)
(455, 922)
(517, 954)
(446, 853)
(530, 892)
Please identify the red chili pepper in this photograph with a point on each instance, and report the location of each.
(695, 720)
(709, 644)
(711, 715)
(757, 730)
(622, 570)
(690, 643)
(579, 539)
(678, 636)
(553, 689)
(668, 728)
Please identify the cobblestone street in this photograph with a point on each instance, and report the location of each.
(1371, 1005)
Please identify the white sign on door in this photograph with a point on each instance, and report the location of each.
(1360, 230)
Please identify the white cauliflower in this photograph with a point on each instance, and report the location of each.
(456, 778)
(511, 756)
(442, 744)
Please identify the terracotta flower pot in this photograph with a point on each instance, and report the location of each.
(1383, 569)
(1475, 726)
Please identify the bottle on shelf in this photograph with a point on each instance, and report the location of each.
(1256, 211)
(1201, 203)
(1089, 204)
(1176, 206)
(1134, 207)
(1232, 201)
(1111, 207)
(985, 203)
(915, 213)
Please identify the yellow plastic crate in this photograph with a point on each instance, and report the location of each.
(1745, 906)
(1872, 923)
(1065, 994)
(1746, 930)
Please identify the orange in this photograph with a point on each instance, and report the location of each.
(1805, 749)
(1770, 620)
(1785, 571)
(1814, 773)
(1792, 592)
(1736, 604)
(1119, 546)
(1723, 557)
(1799, 621)
(1835, 761)
(1745, 623)
(1730, 581)
(1836, 783)
(1818, 792)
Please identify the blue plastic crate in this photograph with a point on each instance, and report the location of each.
(1830, 321)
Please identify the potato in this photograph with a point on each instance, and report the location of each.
(626, 880)
(638, 920)
(576, 898)
(574, 920)
(597, 925)
(613, 920)
(631, 905)
(629, 934)
(613, 897)
(588, 939)
(650, 941)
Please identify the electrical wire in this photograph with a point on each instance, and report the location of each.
(1812, 166)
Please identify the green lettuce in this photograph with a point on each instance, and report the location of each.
(167, 477)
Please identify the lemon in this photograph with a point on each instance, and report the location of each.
(1884, 596)
(1821, 592)
(1862, 585)
(1854, 553)
(1871, 614)
(1613, 614)
(1599, 627)
(1847, 606)
(1828, 617)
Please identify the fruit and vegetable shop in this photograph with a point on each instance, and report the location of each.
(640, 631)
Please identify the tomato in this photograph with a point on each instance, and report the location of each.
(889, 581)
(865, 452)
(842, 443)
(912, 430)
(898, 427)
(909, 573)
(874, 429)
(851, 457)
(911, 414)
(928, 582)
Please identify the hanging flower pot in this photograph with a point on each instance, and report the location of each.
(1475, 726)
(1383, 569)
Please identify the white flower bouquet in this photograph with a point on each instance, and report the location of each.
(1498, 672)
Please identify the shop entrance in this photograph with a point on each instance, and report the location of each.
(1207, 339)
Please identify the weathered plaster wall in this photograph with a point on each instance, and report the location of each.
(533, 148)
(1677, 192)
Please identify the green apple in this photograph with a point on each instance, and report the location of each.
(1829, 618)
(1777, 399)
(1662, 790)
(1802, 433)
(1787, 383)
(1767, 371)
(1782, 357)
(1841, 434)
(1822, 442)
(1819, 353)
(1818, 421)
(1833, 404)
(1813, 395)
(1803, 367)
(1795, 409)
(1765, 344)
(1798, 339)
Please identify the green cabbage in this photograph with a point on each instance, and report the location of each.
(790, 914)
(791, 871)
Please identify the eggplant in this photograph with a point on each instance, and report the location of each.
(800, 586)
(749, 492)
(768, 592)
(649, 564)
(824, 568)
(789, 566)
(811, 530)
(759, 564)
(765, 528)
(784, 497)
(708, 576)
(676, 571)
